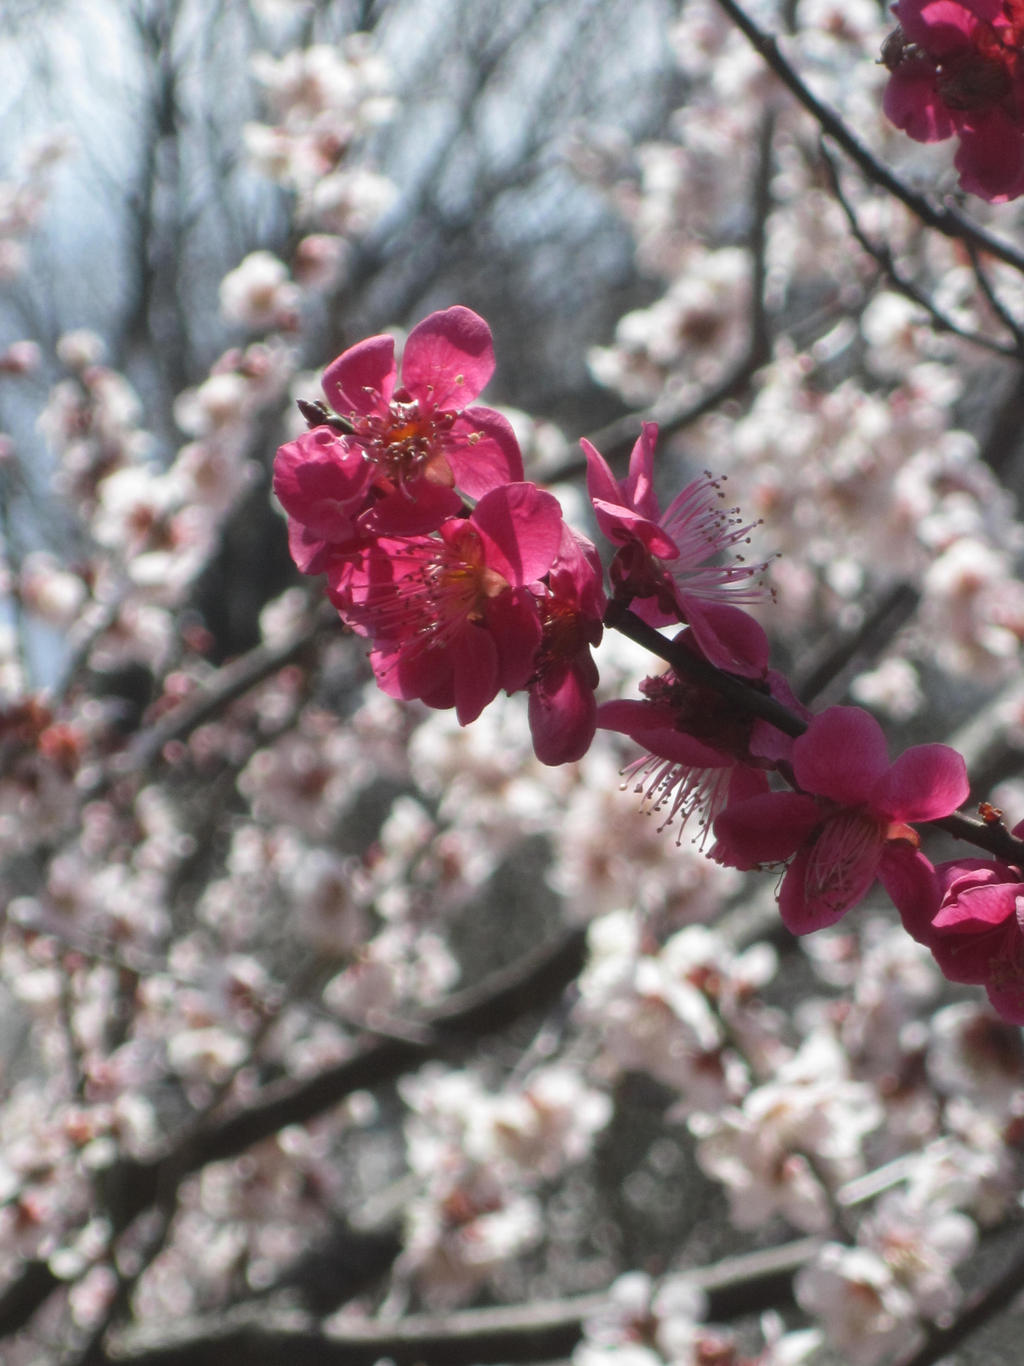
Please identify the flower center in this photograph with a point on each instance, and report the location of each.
(975, 80)
(406, 444)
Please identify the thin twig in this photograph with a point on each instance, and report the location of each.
(903, 284)
(542, 1331)
(879, 627)
(1000, 309)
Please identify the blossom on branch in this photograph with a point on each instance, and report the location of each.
(977, 932)
(956, 69)
(452, 616)
(421, 436)
(671, 563)
(563, 709)
(393, 460)
(848, 823)
(703, 750)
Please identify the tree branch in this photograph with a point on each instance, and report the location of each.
(945, 220)
(542, 1331)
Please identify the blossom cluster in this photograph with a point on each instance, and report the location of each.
(459, 601)
(467, 581)
(957, 69)
(258, 909)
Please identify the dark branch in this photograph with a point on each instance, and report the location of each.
(945, 220)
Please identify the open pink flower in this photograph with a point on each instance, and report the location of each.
(571, 603)
(848, 825)
(956, 68)
(395, 461)
(323, 484)
(703, 752)
(676, 563)
(977, 933)
(452, 616)
(421, 437)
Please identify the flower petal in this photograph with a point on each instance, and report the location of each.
(838, 869)
(925, 783)
(521, 526)
(483, 451)
(362, 379)
(764, 829)
(990, 158)
(563, 714)
(841, 755)
(639, 485)
(911, 102)
(448, 359)
(655, 728)
(729, 637)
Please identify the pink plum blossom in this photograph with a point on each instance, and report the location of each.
(977, 931)
(671, 561)
(847, 825)
(394, 461)
(703, 751)
(956, 69)
(452, 616)
(562, 707)
(421, 438)
(323, 485)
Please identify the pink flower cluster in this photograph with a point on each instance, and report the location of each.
(460, 599)
(977, 933)
(467, 581)
(956, 69)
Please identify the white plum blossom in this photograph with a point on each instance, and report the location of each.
(863, 1310)
(806, 1125)
(258, 293)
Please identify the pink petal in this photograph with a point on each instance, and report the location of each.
(764, 829)
(620, 524)
(601, 483)
(911, 102)
(475, 671)
(729, 637)
(979, 907)
(924, 784)
(577, 578)
(563, 715)
(800, 913)
(483, 452)
(398, 514)
(841, 755)
(990, 158)
(911, 883)
(362, 379)
(968, 956)
(628, 512)
(654, 728)
(308, 551)
(838, 869)
(322, 482)
(514, 622)
(521, 526)
(448, 359)
(639, 485)
(941, 27)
